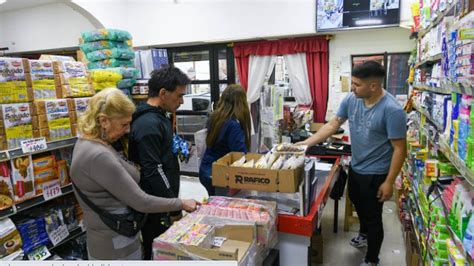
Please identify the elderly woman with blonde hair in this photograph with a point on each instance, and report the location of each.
(105, 179)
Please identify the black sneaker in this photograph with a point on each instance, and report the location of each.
(359, 241)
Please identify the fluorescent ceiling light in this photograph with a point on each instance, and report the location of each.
(2, 1)
(368, 22)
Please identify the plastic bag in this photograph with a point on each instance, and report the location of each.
(126, 72)
(100, 45)
(106, 34)
(110, 63)
(126, 83)
(98, 86)
(110, 53)
(99, 75)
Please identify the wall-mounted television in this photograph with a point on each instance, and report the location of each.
(334, 15)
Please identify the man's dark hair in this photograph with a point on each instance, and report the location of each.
(167, 77)
(369, 69)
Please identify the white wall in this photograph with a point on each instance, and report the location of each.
(50, 26)
(360, 42)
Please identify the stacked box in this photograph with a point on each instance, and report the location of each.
(6, 189)
(52, 120)
(77, 107)
(13, 86)
(45, 170)
(41, 79)
(22, 178)
(72, 80)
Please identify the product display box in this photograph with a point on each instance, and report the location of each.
(239, 241)
(224, 175)
(6, 189)
(17, 121)
(23, 178)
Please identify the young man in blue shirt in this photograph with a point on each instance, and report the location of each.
(377, 126)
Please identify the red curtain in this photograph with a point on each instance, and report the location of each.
(318, 82)
(316, 49)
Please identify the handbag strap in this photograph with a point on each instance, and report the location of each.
(89, 203)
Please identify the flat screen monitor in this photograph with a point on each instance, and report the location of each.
(334, 15)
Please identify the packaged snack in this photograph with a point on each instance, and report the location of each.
(22, 178)
(59, 124)
(100, 45)
(78, 105)
(70, 69)
(126, 72)
(261, 163)
(239, 162)
(116, 53)
(126, 83)
(40, 69)
(6, 189)
(278, 163)
(105, 34)
(104, 75)
(11, 69)
(62, 172)
(249, 164)
(10, 239)
(43, 162)
(110, 63)
(17, 122)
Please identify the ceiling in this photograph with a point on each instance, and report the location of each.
(11, 5)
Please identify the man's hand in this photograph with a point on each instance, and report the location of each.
(385, 191)
(190, 205)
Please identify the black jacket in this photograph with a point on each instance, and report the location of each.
(150, 146)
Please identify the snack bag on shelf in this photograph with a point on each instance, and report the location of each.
(116, 53)
(58, 119)
(10, 239)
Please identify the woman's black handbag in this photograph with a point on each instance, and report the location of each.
(124, 224)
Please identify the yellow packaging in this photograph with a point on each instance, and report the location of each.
(98, 86)
(39, 187)
(17, 122)
(431, 168)
(44, 89)
(15, 92)
(58, 119)
(43, 162)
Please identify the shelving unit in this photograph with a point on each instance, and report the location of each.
(7, 155)
(430, 60)
(439, 17)
(447, 88)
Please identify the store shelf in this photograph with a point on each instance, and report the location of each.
(448, 88)
(420, 109)
(52, 145)
(76, 232)
(430, 60)
(429, 88)
(140, 97)
(27, 204)
(421, 241)
(439, 18)
(467, 173)
(454, 237)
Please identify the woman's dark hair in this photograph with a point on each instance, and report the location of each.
(232, 104)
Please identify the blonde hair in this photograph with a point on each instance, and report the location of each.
(112, 103)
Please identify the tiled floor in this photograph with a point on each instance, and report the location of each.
(336, 248)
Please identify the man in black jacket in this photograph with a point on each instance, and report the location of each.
(150, 146)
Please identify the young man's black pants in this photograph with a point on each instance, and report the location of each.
(151, 230)
(363, 194)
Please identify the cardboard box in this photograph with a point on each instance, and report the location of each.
(74, 130)
(237, 246)
(45, 175)
(22, 178)
(36, 133)
(40, 107)
(3, 143)
(70, 68)
(73, 117)
(43, 162)
(44, 132)
(78, 105)
(12, 69)
(412, 255)
(6, 189)
(17, 122)
(75, 91)
(224, 175)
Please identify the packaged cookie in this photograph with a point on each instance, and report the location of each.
(17, 122)
(6, 189)
(11, 69)
(22, 178)
(10, 239)
(58, 119)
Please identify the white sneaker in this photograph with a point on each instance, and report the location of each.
(359, 241)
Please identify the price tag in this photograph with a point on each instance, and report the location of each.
(218, 241)
(33, 145)
(58, 234)
(39, 254)
(51, 190)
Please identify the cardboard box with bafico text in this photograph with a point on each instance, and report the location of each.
(239, 243)
(224, 175)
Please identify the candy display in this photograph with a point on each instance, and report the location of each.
(263, 213)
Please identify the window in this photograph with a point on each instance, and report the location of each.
(211, 68)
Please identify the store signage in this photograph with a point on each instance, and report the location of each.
(51, 190)
(33, 145)
(58, 235)
(252, 180)
(39, 254)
